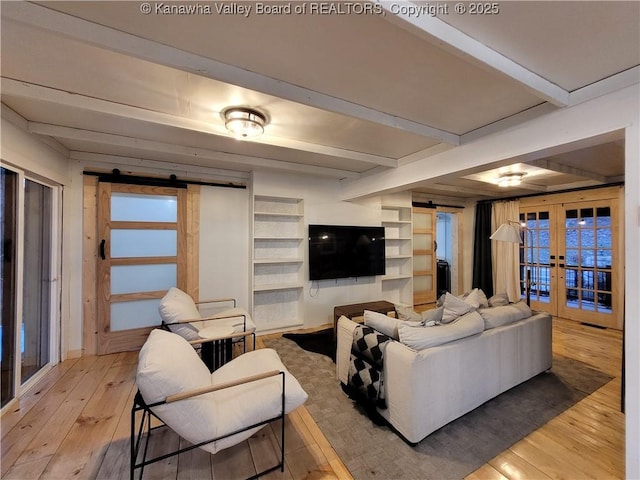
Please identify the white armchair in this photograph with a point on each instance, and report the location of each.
(181, 315)
(212, 411)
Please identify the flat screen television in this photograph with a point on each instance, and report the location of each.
(343, 251)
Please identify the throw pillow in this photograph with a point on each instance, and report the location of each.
(432, 317)
(421, 338)
(382, 323)
(505, 314)
(499, 300)
(407, 313)
(454, 308)
(473, 298)
(484, 302)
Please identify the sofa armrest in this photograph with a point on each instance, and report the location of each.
(344, 339)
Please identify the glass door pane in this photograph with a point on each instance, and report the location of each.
(36, 303)
(588, 285)
(536, 257)
(8, 233)
(424, 258)
(141, 249)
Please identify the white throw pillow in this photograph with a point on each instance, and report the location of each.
(454, 308)
(473, 298)
(177, 305)
(498, 300)
(382, 323)
(407, 313)
(432, 317)
(421, 338)
(503, 315)
(484, 302)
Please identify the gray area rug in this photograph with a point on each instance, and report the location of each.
(455, 450)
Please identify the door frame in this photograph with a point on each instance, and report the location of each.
(90, 251)
(614, 193)
(55, 288)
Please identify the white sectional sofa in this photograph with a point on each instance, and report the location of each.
(429, 388)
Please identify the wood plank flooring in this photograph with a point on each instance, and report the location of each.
(75, 424)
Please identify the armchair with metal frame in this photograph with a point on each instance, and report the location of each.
(510, 232)
(181, 314)
(212, 411)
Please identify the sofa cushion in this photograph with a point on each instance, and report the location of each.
(454, 307)
(177, 305)
(425, 318)
(503, 315)
(421, 338)
(382, 323)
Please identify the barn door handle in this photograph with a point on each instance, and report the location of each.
(435, 246)
(102, 255)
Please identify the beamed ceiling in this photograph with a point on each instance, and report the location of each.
(347, 92)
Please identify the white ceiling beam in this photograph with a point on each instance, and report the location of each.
(125, 43)
(21, 89)
(567, 169)
(69, 133)
(454, 41)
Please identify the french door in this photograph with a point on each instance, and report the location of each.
(142, 253)
(29, 298)
(571, 252)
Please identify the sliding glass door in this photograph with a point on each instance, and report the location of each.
(29, 296)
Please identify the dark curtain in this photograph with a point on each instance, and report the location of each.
(482, 270)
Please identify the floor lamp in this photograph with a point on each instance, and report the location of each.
(510, 232)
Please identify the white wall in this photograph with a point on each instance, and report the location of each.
(225, 244)
(28, 153)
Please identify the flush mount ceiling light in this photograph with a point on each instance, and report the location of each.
(244, 122)
(510, 179)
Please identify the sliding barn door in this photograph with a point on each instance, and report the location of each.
(141, 235)
(424, 255)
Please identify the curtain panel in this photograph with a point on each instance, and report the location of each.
(506, 255)
(482, 265)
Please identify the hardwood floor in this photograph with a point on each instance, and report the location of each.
(75, 424)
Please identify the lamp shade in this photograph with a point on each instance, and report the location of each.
(507, 232)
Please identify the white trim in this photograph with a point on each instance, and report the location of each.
(194, 153)
(19, 388)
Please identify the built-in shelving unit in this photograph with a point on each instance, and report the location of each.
(397, 283)
(278, 258)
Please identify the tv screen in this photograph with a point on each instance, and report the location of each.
(340, 251)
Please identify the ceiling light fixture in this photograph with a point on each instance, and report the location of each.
(244, 122)
(510, 179)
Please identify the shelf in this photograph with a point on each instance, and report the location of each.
(397, 277)
(277, 214)
(396, 222)
(297, 239)
(277, 260)
(398, 238)
(278, 257)
(398, 257)
(276, 286)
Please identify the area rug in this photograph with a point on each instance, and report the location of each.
(455, 450)
(321, 342)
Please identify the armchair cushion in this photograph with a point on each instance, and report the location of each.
(177, 305)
